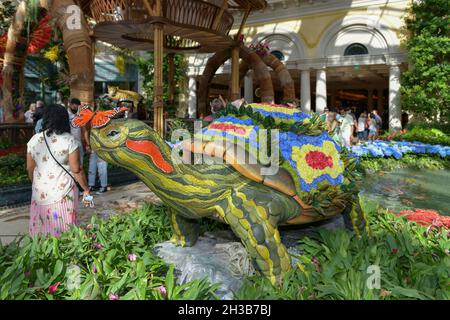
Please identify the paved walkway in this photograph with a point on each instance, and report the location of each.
(14, 221)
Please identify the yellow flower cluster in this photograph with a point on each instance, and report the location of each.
(120, 64)
(309, 174)
(52, 54)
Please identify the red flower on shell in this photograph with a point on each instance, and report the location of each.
(319, 160)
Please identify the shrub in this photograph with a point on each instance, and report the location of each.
(113, 259)
(12, 170)
(414, 264)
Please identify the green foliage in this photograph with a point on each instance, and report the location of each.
(12, 170)
(147, 71)
(418, 161)
(441, 126)
(414, 264)
(425, 135)
(425, 87)
(7, 10)
(101, 252)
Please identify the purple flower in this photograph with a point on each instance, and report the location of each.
(94, 268)
(113, 296)
(94, 236)
(162, 290)
(55, 215)
(132, 257)
(98, 246)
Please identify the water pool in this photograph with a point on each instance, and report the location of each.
(409, 189)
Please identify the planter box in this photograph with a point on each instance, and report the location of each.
(21, 193)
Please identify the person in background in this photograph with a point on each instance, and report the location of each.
(405, 120)
(378, 121)
(373, 127)
(30, 113)
(54, 204)
(80, 134)
(347, 128)
(323, 116)
(37, 116)
(333, 126)
(96, 164)
(362, 120)
(216, 105)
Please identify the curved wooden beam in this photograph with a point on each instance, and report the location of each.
(262, 75)
(287, 83)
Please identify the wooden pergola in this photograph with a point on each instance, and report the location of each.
(171, 26)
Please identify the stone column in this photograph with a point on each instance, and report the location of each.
(395, 111)
(321, 90)
(305, 91)
(248, 87)
(370, 99)
(192, 97)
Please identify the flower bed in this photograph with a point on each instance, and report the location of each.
(114, 261)
(397, 149)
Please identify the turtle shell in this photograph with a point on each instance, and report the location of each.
(309, 158)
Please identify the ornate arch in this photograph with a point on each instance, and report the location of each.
(292, 43)
(374, 26)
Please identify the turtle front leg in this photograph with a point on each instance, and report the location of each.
(185, 231)
(255, 225)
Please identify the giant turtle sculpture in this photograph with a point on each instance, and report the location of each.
(312, 180)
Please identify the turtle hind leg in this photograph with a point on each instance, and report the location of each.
(185, 231)
(251, 222)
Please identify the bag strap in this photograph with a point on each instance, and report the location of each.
(70, 175)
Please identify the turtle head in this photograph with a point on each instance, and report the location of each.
(133, 145)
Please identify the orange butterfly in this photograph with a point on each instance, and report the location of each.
(97, 119)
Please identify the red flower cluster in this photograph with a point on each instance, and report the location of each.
(319, 160)
(228, 127)
(426, 218)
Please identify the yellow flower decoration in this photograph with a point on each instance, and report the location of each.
(120, 64)
(313, 162)
(52, 54)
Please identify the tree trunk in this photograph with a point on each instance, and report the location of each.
(14, 60)
(78, 47)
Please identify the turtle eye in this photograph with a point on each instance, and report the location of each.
(113, 133)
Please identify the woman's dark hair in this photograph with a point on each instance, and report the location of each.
(56, 119)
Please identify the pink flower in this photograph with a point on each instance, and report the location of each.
(132, 257)
(94, 268)
(53, 288)
(162, 290)
(113, 296)
(94, 236)
(98, 246)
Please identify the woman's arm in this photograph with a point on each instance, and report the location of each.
(77, 170)
(31, 165)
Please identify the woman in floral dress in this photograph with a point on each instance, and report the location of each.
(54, 202)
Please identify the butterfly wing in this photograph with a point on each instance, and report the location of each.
(85, 114)
(102, 118)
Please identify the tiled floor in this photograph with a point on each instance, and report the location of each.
(14, 222)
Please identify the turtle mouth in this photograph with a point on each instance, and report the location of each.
(152, 151)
